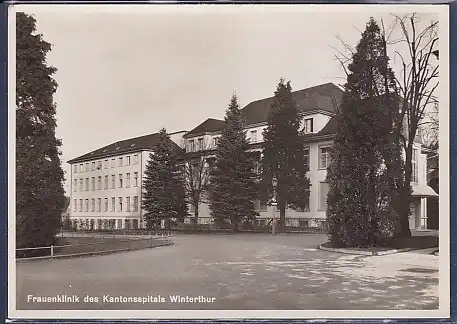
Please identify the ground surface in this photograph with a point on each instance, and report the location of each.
(241, 272)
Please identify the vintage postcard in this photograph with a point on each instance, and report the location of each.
(228, 161)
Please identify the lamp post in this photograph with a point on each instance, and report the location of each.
(274, 183)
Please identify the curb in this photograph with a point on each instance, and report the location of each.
(367, 253)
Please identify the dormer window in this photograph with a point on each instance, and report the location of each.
(216, 142)
(191, 146)
(308, 127)
(254, 136)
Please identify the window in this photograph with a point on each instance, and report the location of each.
(106, 204)
(75, 168)
(99, 165)
(256, 169)
(191, 147)
(93, 183)
(113, 203)
(87, 167)
(99, 183)
(254, 136)
(128, 203)
(93, 166)
(324, 157)
(113, 181)
(106, 164)
(81, 168)
(120, 161)
(75, 205)
(306, 158)
(120, 203)
(323, 192)
(216, 142)
(200, 144)
(303, 223)
(308, 127)
(81, 184)
(135, 183)
(127, 180)
(135, 203)
(120, 181)
(414, 166)
(87, 205)
(87, 184)
(99, 205)
(92, 208)
(135, 159)
(127, 160)
(113, 163)
(80, 205)
(75, 185)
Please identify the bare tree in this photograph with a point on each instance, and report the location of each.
(431, 127)
(197, 166)
(416, 82)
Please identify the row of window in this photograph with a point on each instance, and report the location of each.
(97, 185)
(96, 204)
(323, 192)
(98, 165)
(103, 224)
(198, 145)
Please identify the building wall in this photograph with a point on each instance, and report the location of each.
(316, 175)
(128, 190)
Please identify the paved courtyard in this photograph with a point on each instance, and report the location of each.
(234, 272)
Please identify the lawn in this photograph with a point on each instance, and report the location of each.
(96, 244)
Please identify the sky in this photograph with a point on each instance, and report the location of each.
(125, 73)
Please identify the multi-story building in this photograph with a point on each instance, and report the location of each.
(316, 106)
(106, 184)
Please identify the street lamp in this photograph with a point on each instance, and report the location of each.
(274, 183)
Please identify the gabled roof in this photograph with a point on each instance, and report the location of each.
(323, 97)
(208, 126)
(146, 142)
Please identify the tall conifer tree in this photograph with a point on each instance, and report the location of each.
(284, 153)
(164, 196)
(40, 198)
(233, 188)
(365, 171)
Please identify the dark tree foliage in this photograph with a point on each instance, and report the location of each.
(365, 174)
(284, 154)
(232, 180)
(164, 196)
(40, 198)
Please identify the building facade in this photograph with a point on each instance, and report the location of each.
(106, 184)
(316, 107)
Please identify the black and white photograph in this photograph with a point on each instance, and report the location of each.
(228, 161)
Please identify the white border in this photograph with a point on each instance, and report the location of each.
(444, 272)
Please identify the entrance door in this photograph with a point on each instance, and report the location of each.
(412, 217)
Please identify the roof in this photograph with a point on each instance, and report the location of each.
(146, 142)
(322, 97)
(208, 126)
(421, 190)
